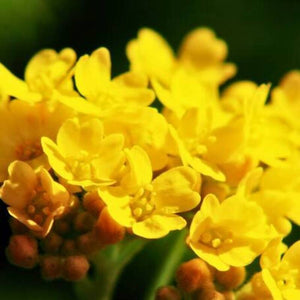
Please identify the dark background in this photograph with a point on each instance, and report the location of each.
(263, 37)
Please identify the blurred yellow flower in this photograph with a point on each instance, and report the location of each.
(46, 71)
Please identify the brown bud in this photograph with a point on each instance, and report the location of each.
(87, 243)
(84, 222)
(208, 294)
(93, 203)
(232, 278)
(259, 287)
(69, 247)
(51, 267)
(168, 293)
(62, 227)
(75, 267)
(192, 275)
(22, 251)
(52, 243)
(229, 295)
(107, 230)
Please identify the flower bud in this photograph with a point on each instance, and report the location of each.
(75, 267)
(259, 287)
(208, 294)
(62, 227)
(51, 267)
(87, 243)
(107, 230)
(22, 251)
(84, 222)
(168, 293)
(93, 203)
(192, 275)
(69, 247)
(52, 243)
(232, 278)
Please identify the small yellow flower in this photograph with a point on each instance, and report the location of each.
(93, 80)
(21, 128)
(150, 207)
(232, 233)
(33, 197)
(281, 275)
(46, 71)
(83, 155)
(152, 55)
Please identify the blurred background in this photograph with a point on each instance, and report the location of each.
(263, 37)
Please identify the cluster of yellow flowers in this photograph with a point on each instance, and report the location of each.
(80, 147)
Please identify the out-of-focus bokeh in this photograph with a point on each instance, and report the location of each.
(263, 36)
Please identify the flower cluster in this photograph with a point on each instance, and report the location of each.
(86, 160)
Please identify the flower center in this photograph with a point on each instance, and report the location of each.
(215, 238)
(142, 203)
(28, 150)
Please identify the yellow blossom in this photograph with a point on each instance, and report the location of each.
(232, 233)
(93, 80)
(33, 197)
(145, 127)
(152, 55)
(281, 275)
(150, 207)
(202, 53)
(46, 71)
(21, 128)
(83, 155)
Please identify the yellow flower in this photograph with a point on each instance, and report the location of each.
(83, 155)
(142, 126)
(149, 206)
(202, 53)
(232, 233)
(93, 80)
(152, 55)
(21, 128)
(281, 275)
(46, 71)
(279, 193)
(193, 134)
(33, 197)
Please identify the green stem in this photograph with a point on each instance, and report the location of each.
(108, 264)
(167, 269)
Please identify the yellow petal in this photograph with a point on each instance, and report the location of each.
(177, 190)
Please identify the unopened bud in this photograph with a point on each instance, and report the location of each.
(192, 275)
(93, 203)
(208, 294)
(229, 295)
(62, 227)
(232, 278)
(259, 287)
(51, 267)
(107, 230)
(69, 247)
(52, 243)
(75, 267)
(22, 251)
(87, 243)
(168, 293)
(84, 222)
